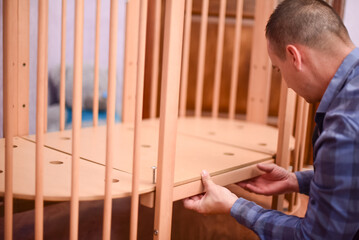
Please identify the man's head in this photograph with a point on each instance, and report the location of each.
(307, 41)
(307, 22)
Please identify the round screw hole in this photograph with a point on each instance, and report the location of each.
(24, 105)
(14, 146)
(262, 144)
(228, 154)
(57, 162)
(115, 180)
(146, 146)
(24, 64)
(65, 138)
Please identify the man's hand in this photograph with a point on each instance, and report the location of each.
(215, 200)
(275, 180)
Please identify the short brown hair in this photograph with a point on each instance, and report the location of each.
(307, 22)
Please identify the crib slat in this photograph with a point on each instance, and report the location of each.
(63, 66)
(235, 61)
(40, 119)
(168, 117)
(10, 73)
(96, 65)
(155, 57)
(45, 70)
(219, 57)
(130, 71)
(260, 67)
(138, 119)
(185, 58)
(285, 128)
(110, 118)
(23, 67)
(201, 58)
(76, 117)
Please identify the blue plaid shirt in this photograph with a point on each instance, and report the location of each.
(333, 186)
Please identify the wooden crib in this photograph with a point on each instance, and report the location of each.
(155, 161)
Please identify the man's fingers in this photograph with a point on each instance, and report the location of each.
(266, 167)
(206, 180)
(193, 203)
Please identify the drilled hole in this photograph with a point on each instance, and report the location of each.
(65, 138)
(24, 105)
(14, 146)
(24, 64)
(115, 180)
(262, 144)
(228, 154)
(1, 171)
(57, 162)
(146, 146)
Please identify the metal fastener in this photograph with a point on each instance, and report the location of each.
(154, 174)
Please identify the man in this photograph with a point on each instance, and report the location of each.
(311, 47)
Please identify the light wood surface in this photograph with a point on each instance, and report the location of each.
(201, 58)
(131, 58)
(10, 113)
(57, 175)
(76, 118)
(193, 154)
(171, 71)
(185, 58)
(260, 68)
(235, 66)
(40, 117)
(63, 66)
(110, 120)
(137, 159)
(219, 57)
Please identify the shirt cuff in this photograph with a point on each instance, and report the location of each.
(304, 178)
(245, 212)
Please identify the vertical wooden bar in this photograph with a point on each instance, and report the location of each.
(131, 54)
(260, 70)
(304, 135)
(235, 61)
(155, 57)
(40, 111)
(76, 117)
(63, 66)
(286, 116)
(9, 78)
(110, 118)
(201, 59)
(96, 65)
(23, 67)
(298, 132)
(171, 71)
(185, 58)
(45, 70)
(138, 119)
(219, 57)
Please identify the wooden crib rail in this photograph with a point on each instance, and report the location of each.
(176, 144)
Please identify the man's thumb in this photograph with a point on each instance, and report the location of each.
(206, 180)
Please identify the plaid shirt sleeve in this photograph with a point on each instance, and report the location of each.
(333, 208)
(333, 187)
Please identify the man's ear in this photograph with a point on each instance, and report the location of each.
(294, 56)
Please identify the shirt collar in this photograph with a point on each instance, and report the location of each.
(338, 80)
